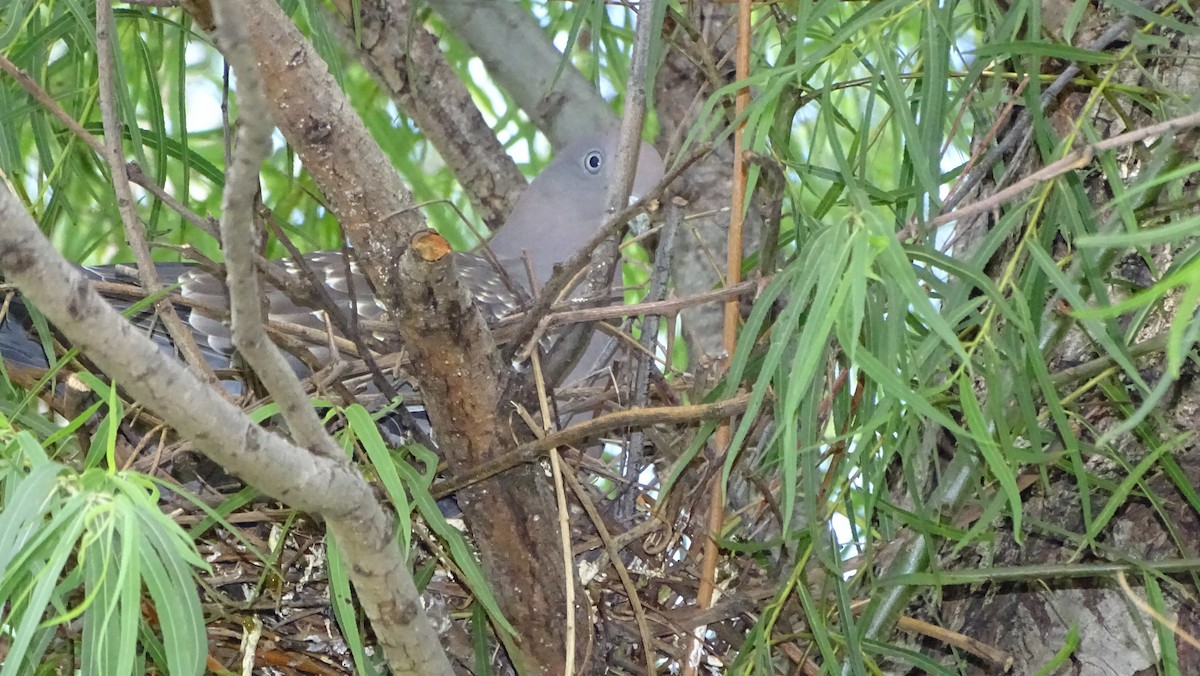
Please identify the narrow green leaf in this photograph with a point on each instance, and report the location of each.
(981, 434)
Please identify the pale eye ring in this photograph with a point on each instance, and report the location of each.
(593, 162)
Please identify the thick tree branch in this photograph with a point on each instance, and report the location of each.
(331, 488)
(524, 64)
(438, 323)
(405, 59)
(253, 144)
(443, 332)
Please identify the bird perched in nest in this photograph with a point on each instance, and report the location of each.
(558, 213)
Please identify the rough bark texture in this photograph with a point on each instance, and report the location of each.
(330, 487)
(438, 323)
(1030, 621)
(688, 77)
(405, 58)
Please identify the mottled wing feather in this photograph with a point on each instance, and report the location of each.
(329, 267)
(494, 296)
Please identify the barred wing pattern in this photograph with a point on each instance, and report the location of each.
(20, 345)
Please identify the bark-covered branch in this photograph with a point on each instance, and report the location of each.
(524, 64)
(404, 58)
(329, 487)
(253, 144)
(454, 357)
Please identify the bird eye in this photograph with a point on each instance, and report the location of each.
(593, 162)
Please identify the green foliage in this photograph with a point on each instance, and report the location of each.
(882, 343)
(88, 546)
(406, 485)
(874, 338)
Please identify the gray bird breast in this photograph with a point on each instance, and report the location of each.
(564, 207)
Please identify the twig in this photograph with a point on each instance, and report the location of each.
(576, 434)
(1079, 158)
(983, 651)
(631, 463)
(133, 170)
(180, 334)
(614, 555)
(662, 307)
(40, 95)
(1022, 129)
(599, 276)
(733, 271)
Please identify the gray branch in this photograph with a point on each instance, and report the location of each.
(524, 64)
(237, 239)
(331, 488)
